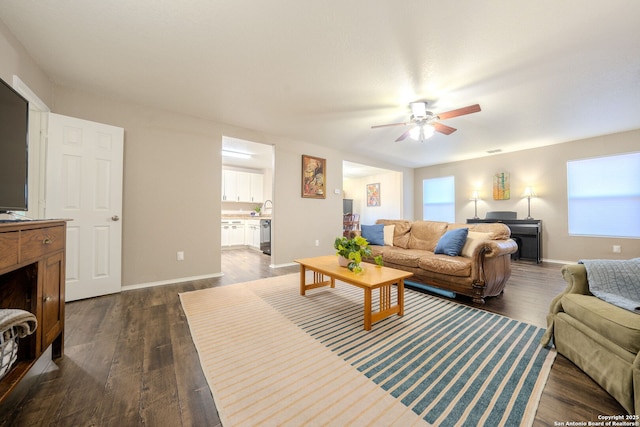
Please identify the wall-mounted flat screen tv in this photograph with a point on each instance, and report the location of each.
(14, 134)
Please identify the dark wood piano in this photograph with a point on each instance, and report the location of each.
(526, 232)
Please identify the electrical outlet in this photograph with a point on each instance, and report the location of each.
(180, 256)
(317, 242)
(617, 249)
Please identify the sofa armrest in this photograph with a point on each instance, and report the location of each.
(576, 277)
(636, 384)
(496, 248)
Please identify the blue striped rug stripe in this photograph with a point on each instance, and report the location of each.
(448, 362)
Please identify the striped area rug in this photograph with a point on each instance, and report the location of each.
(273, 357)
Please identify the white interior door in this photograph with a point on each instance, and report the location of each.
(84, 185)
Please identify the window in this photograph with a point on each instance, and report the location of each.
(438, 198)
(604, 196)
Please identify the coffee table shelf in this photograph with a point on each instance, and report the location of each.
(372, 277)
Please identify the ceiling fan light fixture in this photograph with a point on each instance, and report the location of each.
(425, 123)
(421, 133)
(419, 109)
(428, 130)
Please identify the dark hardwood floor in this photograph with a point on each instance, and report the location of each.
(130, 360)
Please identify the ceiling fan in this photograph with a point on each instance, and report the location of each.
(425, 123)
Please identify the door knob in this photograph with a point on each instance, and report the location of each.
(115, 218)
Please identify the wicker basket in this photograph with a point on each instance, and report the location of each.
(8, 350)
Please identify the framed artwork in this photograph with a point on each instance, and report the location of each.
(373, 194)
(501, 186)
(313, 177)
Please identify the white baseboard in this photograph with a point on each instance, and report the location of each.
(170, 282)
(289, 264)
(558, 261)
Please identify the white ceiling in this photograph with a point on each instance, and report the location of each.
(544, 72)
(261, 155)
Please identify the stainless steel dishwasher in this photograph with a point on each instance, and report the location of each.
(265, 236)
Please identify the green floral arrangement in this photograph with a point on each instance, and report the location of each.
(354, 250)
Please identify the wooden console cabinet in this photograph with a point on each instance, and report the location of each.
(32, 277)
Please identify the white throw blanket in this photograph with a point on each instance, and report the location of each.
(24, 321)
(615, 281)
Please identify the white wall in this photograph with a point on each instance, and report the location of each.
(391, 196)
(545, 169)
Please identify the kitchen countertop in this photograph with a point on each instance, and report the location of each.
(226, 217)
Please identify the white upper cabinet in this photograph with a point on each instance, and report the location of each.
(229, 186)
(243, 186)
(257, 185)
(240, 186)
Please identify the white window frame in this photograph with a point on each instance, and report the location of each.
(603, 196)
(439, 199)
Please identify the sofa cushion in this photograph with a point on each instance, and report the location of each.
(388, 234)
(425, 234)
(400, 231)
(451, 242)
(444, 264)
(474, 239)
(398, 256)
(617, 324)
(373, 233)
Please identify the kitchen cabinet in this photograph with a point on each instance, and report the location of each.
(252, 233)
(232, 233)
(243, 186)
(238, 186)
(257, 187)
(236, 236)
(229, 186)
(224, 234)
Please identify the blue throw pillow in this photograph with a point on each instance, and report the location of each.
(452, 241)
(374, 234)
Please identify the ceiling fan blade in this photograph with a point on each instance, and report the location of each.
(459, 112)
(447, 130)
(391, 124)
(403, 136)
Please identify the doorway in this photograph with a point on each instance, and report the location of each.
(247, 192)
(357, 178)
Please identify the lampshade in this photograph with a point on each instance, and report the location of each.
(475, 195)
(528, 192)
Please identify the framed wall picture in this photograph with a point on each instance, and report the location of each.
(501, 186)
(373, 194)
(314, 177)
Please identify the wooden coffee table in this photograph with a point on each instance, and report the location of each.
(371, 277)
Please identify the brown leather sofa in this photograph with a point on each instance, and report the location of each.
(481, 270)
(600, 338)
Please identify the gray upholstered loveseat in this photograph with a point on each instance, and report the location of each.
(480, 270)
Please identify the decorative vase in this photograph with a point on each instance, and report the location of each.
(343, 262)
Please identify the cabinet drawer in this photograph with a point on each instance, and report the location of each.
(8, 249)
(42, 241)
